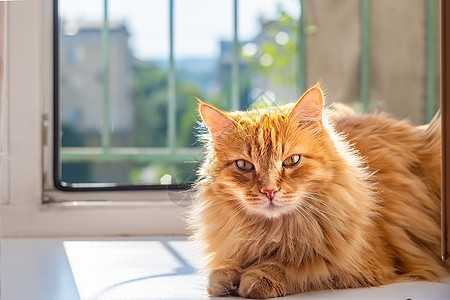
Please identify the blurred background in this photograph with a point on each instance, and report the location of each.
(129, 71)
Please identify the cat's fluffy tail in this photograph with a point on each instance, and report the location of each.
(430, 153)
(338, 110)
(432, 131)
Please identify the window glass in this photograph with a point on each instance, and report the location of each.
(270, 60)
(129, 72)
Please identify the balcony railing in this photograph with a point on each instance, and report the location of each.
(171, 153)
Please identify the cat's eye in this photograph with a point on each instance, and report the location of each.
(244, 165)
(291, 160)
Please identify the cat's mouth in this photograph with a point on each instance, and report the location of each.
(272, 209)
(273, 205)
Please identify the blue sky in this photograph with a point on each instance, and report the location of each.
(199, 24)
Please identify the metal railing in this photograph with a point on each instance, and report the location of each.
(171, 153)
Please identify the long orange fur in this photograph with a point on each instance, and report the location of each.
(361, 208)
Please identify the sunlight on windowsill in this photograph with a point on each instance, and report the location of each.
(118, 269)
(144, 268)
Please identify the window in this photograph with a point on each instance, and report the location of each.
(393, 68)
(128, 73)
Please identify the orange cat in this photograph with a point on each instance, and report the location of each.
(293, 198)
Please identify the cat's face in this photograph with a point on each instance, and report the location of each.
(270, 160)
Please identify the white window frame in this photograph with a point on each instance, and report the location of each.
(27, 208)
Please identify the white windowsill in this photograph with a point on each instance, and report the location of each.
(81, 218)
(157, 268)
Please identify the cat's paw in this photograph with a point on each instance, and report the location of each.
(223, 282)
(259, 284)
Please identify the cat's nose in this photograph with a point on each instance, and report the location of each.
(270, 193)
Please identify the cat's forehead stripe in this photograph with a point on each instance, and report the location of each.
(264, 132)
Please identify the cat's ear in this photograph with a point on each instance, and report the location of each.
(215, 120)
(309, 108)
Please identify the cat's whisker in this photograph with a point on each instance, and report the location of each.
(307, 217)
(329, 207)
(313, 210)
(316, 221)
(327, 204)
(322, 215)
(332, 210)
(337, 216)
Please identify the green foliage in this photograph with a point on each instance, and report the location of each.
(150, 103)
(151, 122)
(277, 52)
(186, 114)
